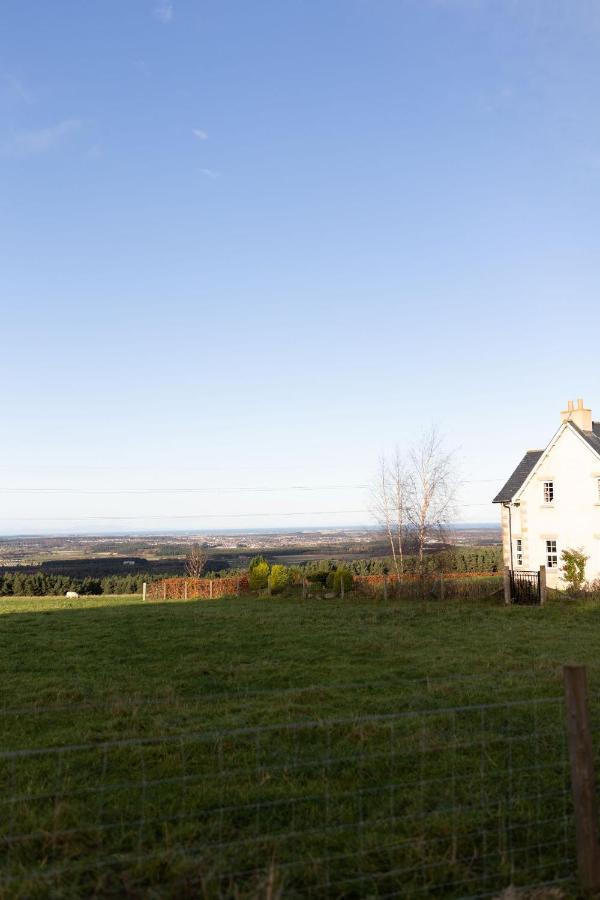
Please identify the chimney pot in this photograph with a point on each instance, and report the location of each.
(579, 416)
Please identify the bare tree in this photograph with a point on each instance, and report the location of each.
(195, 561)
(431, 490)
(389, 503)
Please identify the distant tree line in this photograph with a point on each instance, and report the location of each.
(42, 584)
(27, 583)
(464, 559)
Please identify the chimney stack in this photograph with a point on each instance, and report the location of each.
(579, 415)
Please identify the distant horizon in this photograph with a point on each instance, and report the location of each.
(229, 531)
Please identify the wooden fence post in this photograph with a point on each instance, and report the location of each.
(185, 589)
(543, 587)
(441, 587)
(165, 589)
(237, 587)
(304, 588)
(583, 778)
(210, 589)
(342, 587)
(507, 591)
(144, 588)
(385, 587)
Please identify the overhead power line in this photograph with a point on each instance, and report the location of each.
(327, 512)
(70, 467)
(182, 490)
(250, 515)
(207, 490)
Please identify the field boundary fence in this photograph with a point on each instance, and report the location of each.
(460, 799)
(453, 585)
(442, 586)
(195, 588)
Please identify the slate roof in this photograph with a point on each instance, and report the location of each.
(592, 437)
(518, 477)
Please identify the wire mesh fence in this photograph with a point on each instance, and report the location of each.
(443, 586)
(454, 800)
(450, 586)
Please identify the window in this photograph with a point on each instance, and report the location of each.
(551, 555)
(548, 491)
(519, 551)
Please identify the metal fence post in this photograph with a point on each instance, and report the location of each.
(507, 591)
(583, 778)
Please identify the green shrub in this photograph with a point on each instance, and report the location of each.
(573, 570)
(258, 576)
(279, 579)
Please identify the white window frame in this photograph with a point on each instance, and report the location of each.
(519, 551)
(548, 492)
(551, 555)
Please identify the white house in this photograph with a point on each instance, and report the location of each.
(551, 502)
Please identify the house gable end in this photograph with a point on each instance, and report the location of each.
(590, 440)
(532, 460)
(551, 502)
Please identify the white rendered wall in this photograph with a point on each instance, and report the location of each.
(573, 519)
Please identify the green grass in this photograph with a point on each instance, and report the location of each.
(287, 751)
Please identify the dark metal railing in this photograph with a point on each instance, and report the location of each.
(525, 588)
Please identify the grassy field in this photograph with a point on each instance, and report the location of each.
(264, 747)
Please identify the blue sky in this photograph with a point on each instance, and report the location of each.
(249, 245)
